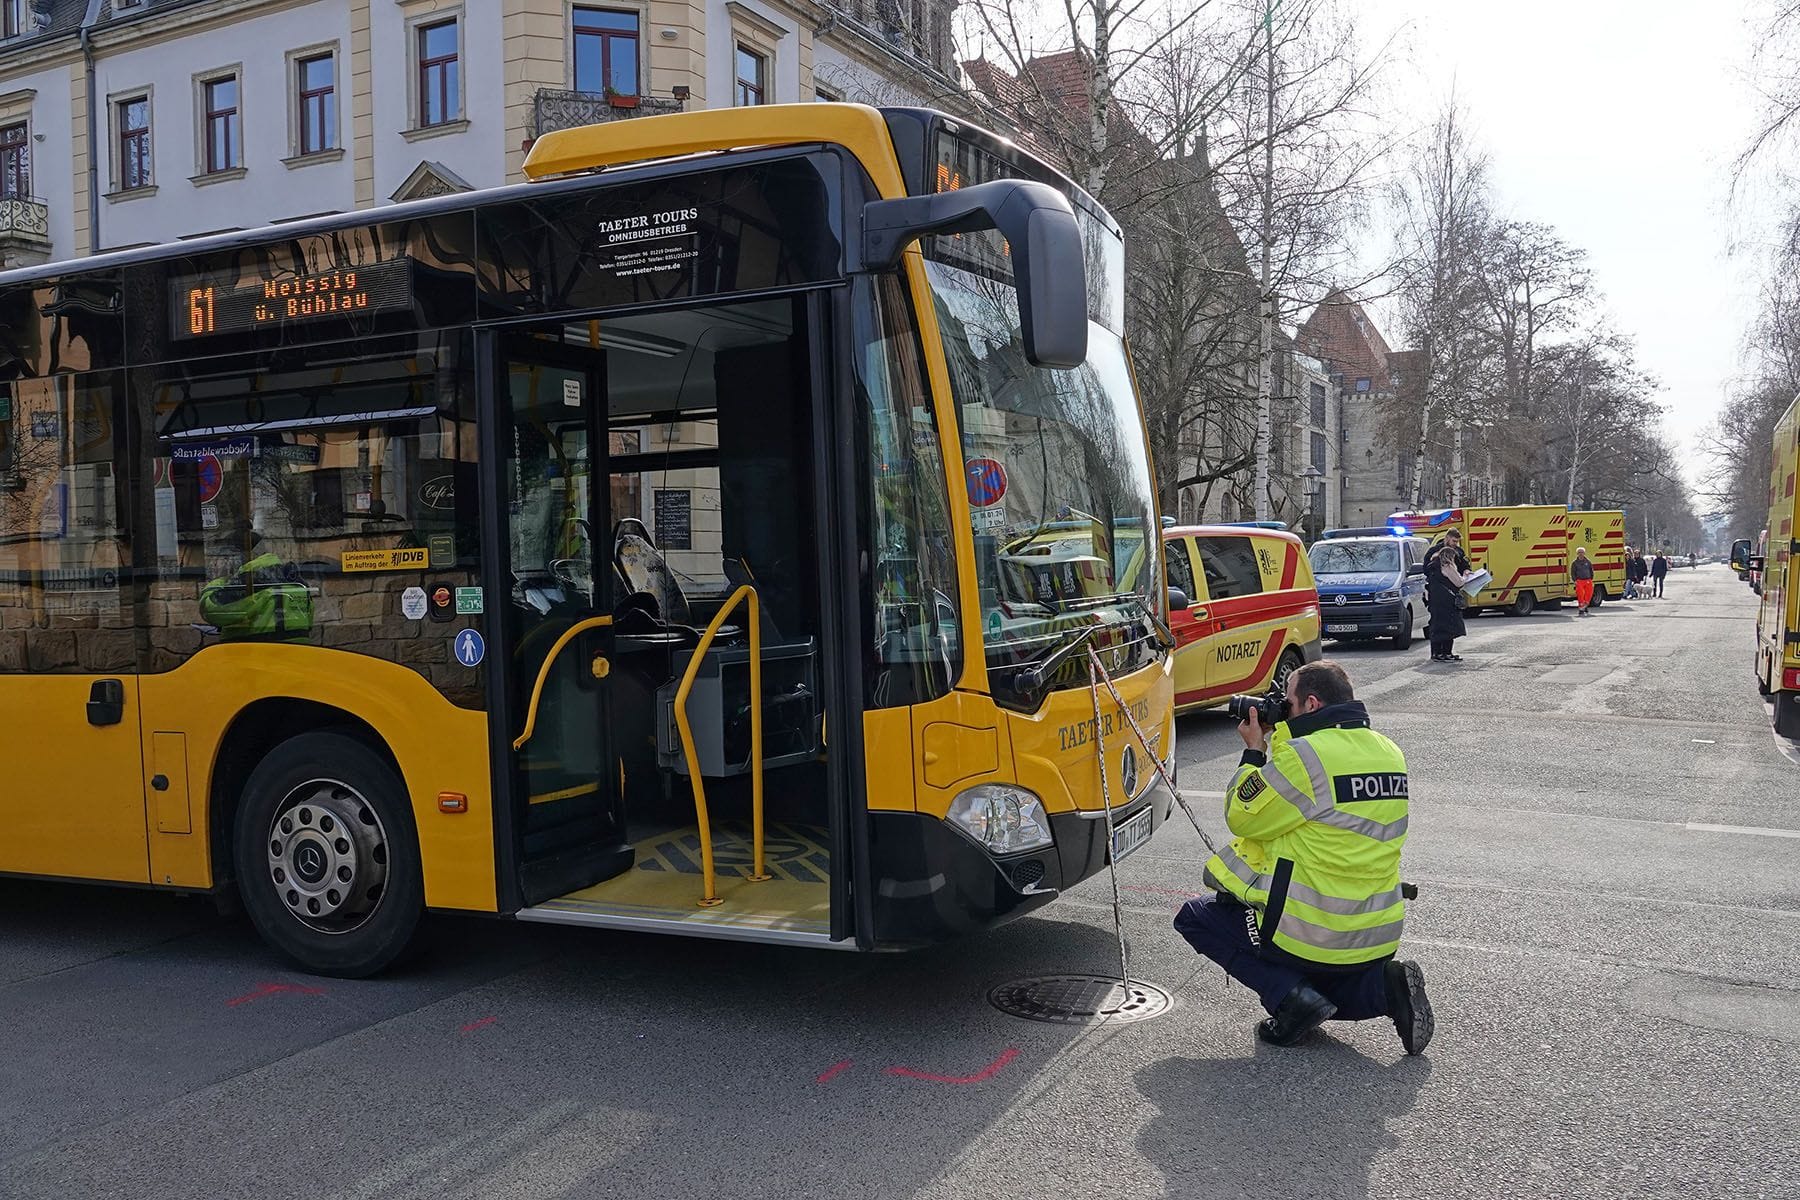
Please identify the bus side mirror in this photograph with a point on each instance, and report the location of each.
(1044, 241)
(1178, 600)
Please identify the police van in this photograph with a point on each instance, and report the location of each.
(1371, 584)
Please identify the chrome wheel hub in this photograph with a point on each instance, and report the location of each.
(328, 856)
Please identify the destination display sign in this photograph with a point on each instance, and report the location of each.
(199, 308)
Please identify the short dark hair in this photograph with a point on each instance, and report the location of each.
(1324, 679)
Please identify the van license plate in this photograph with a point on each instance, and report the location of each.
(1340, 629)
(1131, 835)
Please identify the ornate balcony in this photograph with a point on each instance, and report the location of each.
(24, 232)
(554, 109)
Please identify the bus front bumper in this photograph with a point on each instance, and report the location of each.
(932, 883)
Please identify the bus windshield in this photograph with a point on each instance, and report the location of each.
(1355, 558)
(1058, 481)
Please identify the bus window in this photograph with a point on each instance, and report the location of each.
(301, 497)
(65, 586)
(911, 578)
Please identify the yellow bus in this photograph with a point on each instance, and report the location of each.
(622, 548)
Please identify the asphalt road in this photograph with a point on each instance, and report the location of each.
(1605, 838)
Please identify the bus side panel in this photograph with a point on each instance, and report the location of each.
(438, 746)
(73, 802)
(1780, 610)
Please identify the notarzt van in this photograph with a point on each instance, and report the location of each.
(1778, 612)
(1252, 612)
(1603, 533)
(1525, 546)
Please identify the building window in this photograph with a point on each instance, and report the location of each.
(1362, 385)
(1318, 451)
(133, 122)
(1317, 391)
(440, 87)
(752, 75)
(221, 126)
(15, 162)
(822, 96)
(315, 97)
(606, 51)
(12, 18)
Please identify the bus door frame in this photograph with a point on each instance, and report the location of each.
(836, 485)
(495, 347)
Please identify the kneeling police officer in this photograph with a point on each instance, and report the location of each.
(1309, 903)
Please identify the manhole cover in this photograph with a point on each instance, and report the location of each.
(1080, 999)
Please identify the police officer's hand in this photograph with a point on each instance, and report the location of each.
(1252, 731)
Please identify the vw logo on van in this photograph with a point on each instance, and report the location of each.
(1340, 599)
(1128, 772)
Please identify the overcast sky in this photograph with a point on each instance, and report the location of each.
(1617, 123)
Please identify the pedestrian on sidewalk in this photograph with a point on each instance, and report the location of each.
(1659, 570)
(1308, 906)
(1582, 572)
(1630, 573)
(1446, 570)
(1639, 573)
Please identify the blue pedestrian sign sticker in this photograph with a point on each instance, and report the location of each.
(470, 649)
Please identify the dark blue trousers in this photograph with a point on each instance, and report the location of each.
(1221, 930)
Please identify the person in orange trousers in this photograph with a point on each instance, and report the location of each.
(1582, 572)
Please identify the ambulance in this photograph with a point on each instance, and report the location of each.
(1251, 614)
(1525, 547)
(1778, 612)
(1603, 533)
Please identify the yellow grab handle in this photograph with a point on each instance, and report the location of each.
(537, 689)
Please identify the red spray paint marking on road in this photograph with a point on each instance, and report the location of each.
(472, 1026)
(273, 989)
(987, 1072)
(834, 1071)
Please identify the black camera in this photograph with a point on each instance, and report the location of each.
(1268, 708)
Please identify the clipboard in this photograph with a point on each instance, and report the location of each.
(1473, 584)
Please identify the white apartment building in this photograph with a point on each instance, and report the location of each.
(131, 122)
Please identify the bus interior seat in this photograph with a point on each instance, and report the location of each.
(645, 571)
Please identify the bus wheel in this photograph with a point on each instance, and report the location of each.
(1403, 639)
(327, 857)
(1599, 596)
(1525, 604)
(1787, 714)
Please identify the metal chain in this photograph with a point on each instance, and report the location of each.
(1095, 666)
(1106, 799)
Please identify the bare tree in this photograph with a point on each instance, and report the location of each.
(1442, 202)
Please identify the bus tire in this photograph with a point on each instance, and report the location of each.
(1403, 639)
(1599, 596)
(327, 856)
(1525, 604)
(1787, 714)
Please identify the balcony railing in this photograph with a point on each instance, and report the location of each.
(24, 232)
(553, 109)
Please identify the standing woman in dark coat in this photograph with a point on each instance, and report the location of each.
(1446, 570)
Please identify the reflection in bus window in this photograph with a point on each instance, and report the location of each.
(1058, 481)
(302, 497)
(912, 573)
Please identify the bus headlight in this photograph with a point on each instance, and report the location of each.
(1388, 595)
(1003, 818)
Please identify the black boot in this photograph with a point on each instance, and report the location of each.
(1300, 1012)
(1409, 1006)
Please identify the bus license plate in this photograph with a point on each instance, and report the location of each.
(1340, 629)
(1131, 835)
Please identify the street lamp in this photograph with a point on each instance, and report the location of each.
(1312, 480)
